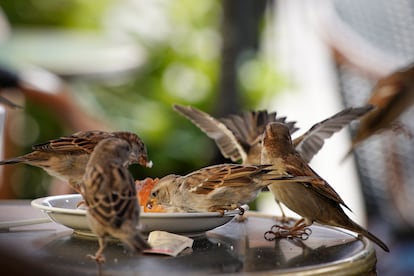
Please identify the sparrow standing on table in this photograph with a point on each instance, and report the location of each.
(391, 96)
(110, 195)
(66, 157)
(214, 189)
(315, 200)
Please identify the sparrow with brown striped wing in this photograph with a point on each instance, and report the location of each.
(315, 200)
(214, 189)
(66, 157)
(110, 196)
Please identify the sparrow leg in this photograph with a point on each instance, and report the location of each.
(75, 186)
(284, 219)
(80, 203)
(241, 217)
(281, 210)
(99, 258)
(222, 208)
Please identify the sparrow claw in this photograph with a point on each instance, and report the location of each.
(282, 231)
(305, 234)
(241, 211)
(99, 258)
(307, 231)
(276, 228)
(270, 235)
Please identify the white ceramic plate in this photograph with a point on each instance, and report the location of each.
(62, 209)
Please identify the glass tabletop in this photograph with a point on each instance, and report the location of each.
(236, 247)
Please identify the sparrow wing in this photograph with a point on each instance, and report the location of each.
(295, 166)
(249, 126)
(216, 130)
(208, 180)
(309, 143)
(83, 141)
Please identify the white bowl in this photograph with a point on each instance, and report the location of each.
(62, 209)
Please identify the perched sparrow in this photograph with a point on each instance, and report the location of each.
(391, 96)
(215, 188)
(110, 195)
(315, 200)
(66, 157)
(239, 137)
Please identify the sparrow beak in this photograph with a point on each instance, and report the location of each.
(149, 164)
(143, 161)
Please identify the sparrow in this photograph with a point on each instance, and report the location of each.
(391, 96)
(110, 196)
(66, 157)
(239, 137)
(216, 188)
(315, 200)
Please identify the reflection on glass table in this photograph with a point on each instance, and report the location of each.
(235, 247)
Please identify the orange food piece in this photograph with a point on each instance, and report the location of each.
(144, 188)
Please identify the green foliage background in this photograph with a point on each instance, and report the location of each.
(182, 66)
